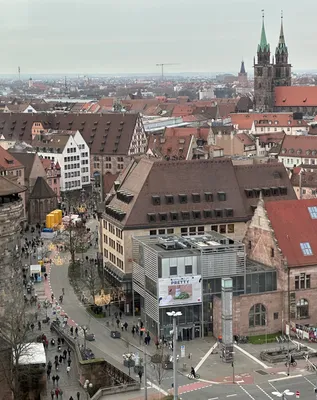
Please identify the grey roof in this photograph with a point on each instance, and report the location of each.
(26, 159)
(42, 190)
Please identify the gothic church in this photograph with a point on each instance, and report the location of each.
(270, 74)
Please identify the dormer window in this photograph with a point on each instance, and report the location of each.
(218, 213)
(151, 217)
(174, 215)
(156, 200)
(185, 215)
(196, 214)
(222, 196)
(163, 216)
(169, 199)
(182, 198)
(208, 196)
(196, 197)
(249, 193)
(229, 212)
(208, 213)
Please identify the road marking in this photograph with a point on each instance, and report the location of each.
(214, 398)
(252, 357)
(157, 388)
(300, 344)
(309, 381)
(205, 356)
(262, 390)
(231, 395)
(284, 378)
(245, 391)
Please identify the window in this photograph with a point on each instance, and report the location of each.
(272, 252)
(156, 200)
(169, 199)
(230, 228)
(218, 213)
(151, 217)
(208, 196)
(196, 197)
(207, 213)
(161, 231)
(196, 214)
(214, 228)
(184, 231)
(222, 196)
(170, 231)
(182, 198)
(313, 212)
(250, 245)
(185, 215)
(257, 315)
(222, 229)
(275, 315)
(302, 309)
(163, 216)
(306, 249)
(302, 281)
(174, 216)
(188, 269)
(153, 232)
(173, 271)
(229, 212)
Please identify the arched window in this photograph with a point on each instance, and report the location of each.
(302, 309)
(257, 315)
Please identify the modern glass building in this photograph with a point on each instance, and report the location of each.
(184, 274)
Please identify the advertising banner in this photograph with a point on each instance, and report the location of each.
(180, 290)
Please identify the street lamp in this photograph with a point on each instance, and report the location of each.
(84, 328)
(283, 394)
(174, 315)
(87, 385)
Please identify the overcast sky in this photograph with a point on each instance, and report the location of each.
(117, 36)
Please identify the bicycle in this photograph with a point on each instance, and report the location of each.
(293, 364)
(191, 376)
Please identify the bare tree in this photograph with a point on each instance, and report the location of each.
(160, 361)
(91, 280)
(77, 240)
(16, 335)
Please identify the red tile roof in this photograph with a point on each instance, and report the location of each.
(197, 132)
(245, 120)
(298, 145)
(181, 110)
(275, 137)
(293, 225)
(170, 147)
(7, 161)
(296, 96)
(245, 139)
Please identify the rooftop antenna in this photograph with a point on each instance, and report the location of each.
(262, 14)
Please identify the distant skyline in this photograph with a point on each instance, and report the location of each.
(125, 36)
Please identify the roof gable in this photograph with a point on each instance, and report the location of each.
(42, 190)
(293, 225)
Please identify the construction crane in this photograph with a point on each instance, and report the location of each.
(162, 67)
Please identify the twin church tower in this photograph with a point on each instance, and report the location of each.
(270, 73)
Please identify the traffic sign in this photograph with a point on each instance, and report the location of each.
(297, 394)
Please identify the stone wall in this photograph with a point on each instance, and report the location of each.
(10, 217)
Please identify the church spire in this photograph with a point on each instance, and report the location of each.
(281, 49)
(242, 69)
(263, 46)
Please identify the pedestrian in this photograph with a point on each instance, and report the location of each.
(52, 296)
(68, 369)
(71, 330)
(78, 395)
(56, 358)
(39, 325)
(60, 359)
(71, 398)
(56, 365)
(45, 276)
(52, 394)
(63, 340)
(125, 326)
(49, 365)
(140, 375)
(54, 379)
(118, 322)
(65, 354)
(76, 331)
(69, 351)
(63, 291)
(35, 315)
(120, 314)
(122, 326)
(57, 379)
(133, 330)
(59, 341)
(57, 392)
(69, 361)
(61, 393)
(48, 373)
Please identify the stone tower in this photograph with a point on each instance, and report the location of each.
(263, 75)
(11, 209)
(282, 69)
(242, 76)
